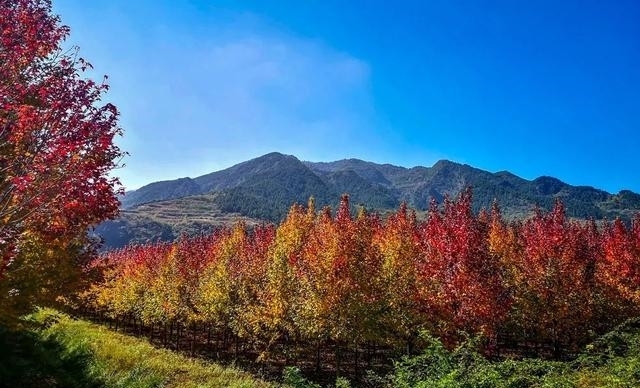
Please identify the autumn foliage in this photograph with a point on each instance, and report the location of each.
(545, 285)
(56, 146)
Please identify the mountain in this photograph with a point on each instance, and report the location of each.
(160, 191)
(167, 220)
(265, 187)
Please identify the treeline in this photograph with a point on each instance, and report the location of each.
(546, 285)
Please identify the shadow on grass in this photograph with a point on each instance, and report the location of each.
(27, 360)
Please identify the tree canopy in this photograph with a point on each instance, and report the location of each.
(56, 142)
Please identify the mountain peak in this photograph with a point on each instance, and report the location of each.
(548, 185)
(275, 154)
(273, 159)
(444, 163)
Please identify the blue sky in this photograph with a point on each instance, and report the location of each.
(536, 88)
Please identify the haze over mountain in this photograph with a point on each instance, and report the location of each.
(263, 189)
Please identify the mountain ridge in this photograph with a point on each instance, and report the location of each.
(265, 187)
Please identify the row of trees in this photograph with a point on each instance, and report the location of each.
(319, 277)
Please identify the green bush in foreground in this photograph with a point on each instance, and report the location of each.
(611, 361)
(77, 353)
(293, 378)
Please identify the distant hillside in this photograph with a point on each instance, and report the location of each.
(167, 220)
(265, 187)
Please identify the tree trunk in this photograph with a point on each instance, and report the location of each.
(337, 360)
(355, 367)
(236, 347)
(178, 334)
(318, 357)
(164, 333)
(193, 338)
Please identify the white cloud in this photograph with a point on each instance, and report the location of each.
(195, 98)
(222, 100)
(259, 82)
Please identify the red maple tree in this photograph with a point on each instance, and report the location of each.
(56, 138)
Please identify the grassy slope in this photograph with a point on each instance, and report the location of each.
(63, 352)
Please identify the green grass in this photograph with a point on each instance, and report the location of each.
(58, 351)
